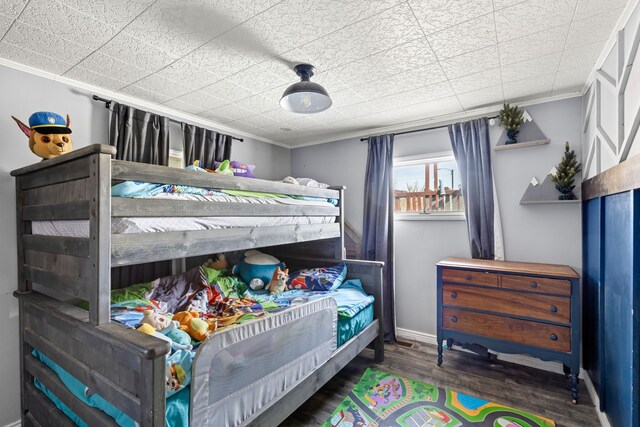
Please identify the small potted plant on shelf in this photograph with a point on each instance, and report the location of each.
(511, 118)
(566, 170)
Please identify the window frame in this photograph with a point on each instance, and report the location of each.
(421, 216)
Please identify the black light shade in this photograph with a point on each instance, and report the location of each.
(305, 97)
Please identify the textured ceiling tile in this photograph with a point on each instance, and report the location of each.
(427, 93)
(77, 27)
(227, 90)
(183, 106)
(188, 74)
(262, 122)
(571, 80)
(256, 40)
(145, 94)
(161, 85)
(179, 26)
(136, 52)
(259, 104)
(533, 45)
(244, 126)
(86, 76)
(482, 98)
(436, 15)
(407, 56)
(260, 79)
(429, 75)
(215, 116)
(345, 98)
(234, 111)
(5, 23)
(501, 4)
(32, 59)
(582, 56)
(587, 8)
(361, 109)
(531, 68)
(477, 81)
(593, 29)
(301, 22)
(255, 7)
(199, 98)
(219, 58)
(532, 16)
(330, 116)
(45, 43)
(530, 88)
(380, 32)
(111, 67)
(472, 62)
(116, 13)
(284, 116)
(12, 8)
(465, 37)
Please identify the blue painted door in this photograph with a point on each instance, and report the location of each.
(618, 308)
(592, 326)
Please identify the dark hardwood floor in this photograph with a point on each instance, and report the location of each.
(532, 390)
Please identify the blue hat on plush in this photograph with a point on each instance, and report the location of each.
(46, 122)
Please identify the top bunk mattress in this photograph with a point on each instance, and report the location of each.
(124, 225)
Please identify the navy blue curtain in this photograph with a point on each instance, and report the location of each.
(377, 233)
(472, 150)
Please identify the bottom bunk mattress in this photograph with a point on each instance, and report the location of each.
(178, 406)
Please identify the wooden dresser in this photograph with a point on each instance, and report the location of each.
(512, 307)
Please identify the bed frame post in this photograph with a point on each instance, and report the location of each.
(152, 399)
(100, 238)
(339, 246)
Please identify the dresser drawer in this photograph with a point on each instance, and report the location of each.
(471, 277)
(504, 328)
(536, 284)
(544, 307)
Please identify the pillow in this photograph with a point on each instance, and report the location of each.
(318, 279)
(240, 169)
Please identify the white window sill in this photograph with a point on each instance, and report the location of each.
(453, 216)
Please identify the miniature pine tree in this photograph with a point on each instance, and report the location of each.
(566, 170)
(511, 118)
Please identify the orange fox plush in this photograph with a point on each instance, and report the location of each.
(279, 282)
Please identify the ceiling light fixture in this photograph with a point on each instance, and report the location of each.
(305, 97)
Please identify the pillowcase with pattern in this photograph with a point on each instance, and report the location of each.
(318, 279)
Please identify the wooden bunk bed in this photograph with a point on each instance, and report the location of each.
(123, 366)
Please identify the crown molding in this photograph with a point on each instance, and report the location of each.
(164, 110)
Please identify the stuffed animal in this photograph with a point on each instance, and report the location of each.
(219, 263)
(149, 330)
(256, 265)
(49, 134)
(156, 320)
(190, 322)
(180, 340)
(256, 284)
(176, 377)
(279, 282)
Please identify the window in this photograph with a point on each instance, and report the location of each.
(175, 159)
(427, 186)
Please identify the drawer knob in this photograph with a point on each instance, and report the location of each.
(454, 295)
(454, 319)
(533, 285)
(553, 309)
(468, 277)
(553, 337)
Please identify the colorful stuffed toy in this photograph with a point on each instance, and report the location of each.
(279, 282)
(49, 134)
(156, 320)
(219, 262)
(256, 265)
(191, 323)
(180, 340)
(149, 330)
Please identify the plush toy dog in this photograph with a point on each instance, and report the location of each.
(279, 282)
(49, 134)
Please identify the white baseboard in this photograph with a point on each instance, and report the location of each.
(14, 424)
(604, 421)
(521, 359)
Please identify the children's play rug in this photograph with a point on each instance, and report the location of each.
(381, 399)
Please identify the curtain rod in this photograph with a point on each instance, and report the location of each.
(109, 101)
(421, 130)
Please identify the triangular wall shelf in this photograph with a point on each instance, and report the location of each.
(546, 192)
(530, 135)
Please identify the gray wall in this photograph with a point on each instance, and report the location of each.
(23, 94)
(536, 233)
